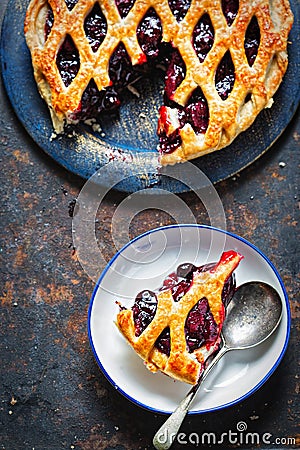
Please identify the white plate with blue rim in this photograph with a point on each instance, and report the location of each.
(143, 264)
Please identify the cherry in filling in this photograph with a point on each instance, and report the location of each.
(124, 6)
(168, 144)
(70, 4)
(225, 76)
(200, 326)
(68, 60)
(95, 27)
(144, 310)
(93, 102)
(175, 74)
(48, 23)
(203, 37)
(149, 35)
(179, 8)
(195, 112)
(230, 9)
(252, 41)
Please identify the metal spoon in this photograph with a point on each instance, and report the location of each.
(252, 315)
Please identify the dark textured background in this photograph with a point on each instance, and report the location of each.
(53, 395)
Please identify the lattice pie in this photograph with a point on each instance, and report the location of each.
(224, 61)
(176, 329)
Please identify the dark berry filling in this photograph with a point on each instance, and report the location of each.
(95, 27)
(195, 112)
(178, 285)
(71, 3)
(252, 41)
(124, 6)
(186, 270)
(168, 144)
(49, 22)
(184, 274)
(174, 76)
(203, 37)
(225, 76)
(144, 310)
(68, 61)
(121, 72)
(200, 326)
(248, 97)
(149, 33)
(93, 102)
(163, 343)
(230, 9)
(179, 8)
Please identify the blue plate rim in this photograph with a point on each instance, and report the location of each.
(225, 405)
(212, 165)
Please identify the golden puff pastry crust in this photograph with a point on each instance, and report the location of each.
(254, 84)
(259, 82)
(181, 363)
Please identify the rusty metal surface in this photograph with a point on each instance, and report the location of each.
(53, 395)
(131, 135)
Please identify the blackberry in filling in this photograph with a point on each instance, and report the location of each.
(95, 27)
(144, 310)
(203, 37)
(252, 41)
(48, 23)
(68, 61)
(168, 144)
(225, 76)
(179, 8)
(93, 102)
(230, 9)
(124, 6)
(70, 4)
(200, 326)
(174, 76)
(149, 35)
(195, 112)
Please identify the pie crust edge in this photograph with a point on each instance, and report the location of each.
(227, 118)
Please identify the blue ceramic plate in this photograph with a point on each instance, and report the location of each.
(133, 133)
(143, 264)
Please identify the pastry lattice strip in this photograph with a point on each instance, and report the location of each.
(226, 118)
(181, 364)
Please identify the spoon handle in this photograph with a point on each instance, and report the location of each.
(167, 433)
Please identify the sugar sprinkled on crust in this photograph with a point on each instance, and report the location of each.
(227, 118)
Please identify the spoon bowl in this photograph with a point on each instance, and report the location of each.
(253, 315)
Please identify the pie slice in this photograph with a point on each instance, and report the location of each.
(223, 62)
(176, 329)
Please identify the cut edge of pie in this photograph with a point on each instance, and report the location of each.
(218, 95)
(178, 328)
